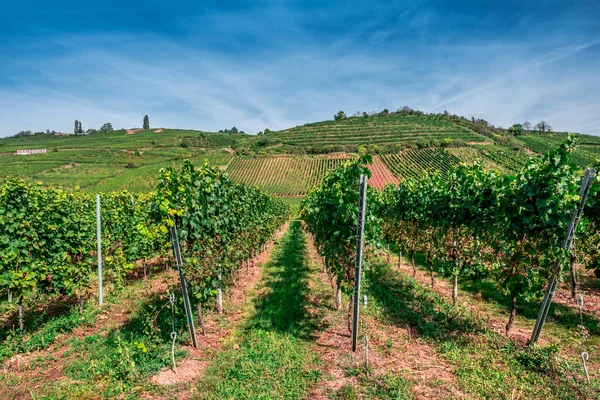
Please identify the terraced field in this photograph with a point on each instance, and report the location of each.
(283, 175)
(381, 175)
(586, 154)
(413, 163)
(511, 160)
(120, 139)
(393, 129)
(103, 170)
(470, 155)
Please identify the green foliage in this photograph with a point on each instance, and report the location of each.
(473, 218)
(331, 213)
(516, 130)
(48, 240)
(340, 116)
(107, 127)
(146, 123)
(220, 223)
(540, 359)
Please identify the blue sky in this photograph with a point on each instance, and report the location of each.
(256, 65)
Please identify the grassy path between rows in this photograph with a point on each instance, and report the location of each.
(271, 355)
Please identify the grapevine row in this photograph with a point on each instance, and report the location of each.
(467, 223)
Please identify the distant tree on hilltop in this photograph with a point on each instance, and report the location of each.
(107, 127)
(543, 127)
(527, 126)
(146, 122)
(340, 116)
(76, 128)
(516, 130)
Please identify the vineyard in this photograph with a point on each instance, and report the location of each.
(48, 243)
(466, 224)
(413, 163)
(462, 239)
(283, 176)
(585, 156)
(380, 174)
(379, 130)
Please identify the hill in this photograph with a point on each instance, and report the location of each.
(383, 132)
(284, 163)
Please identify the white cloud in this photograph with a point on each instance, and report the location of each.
(119, 78)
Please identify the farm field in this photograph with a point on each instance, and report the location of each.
(282, 163)
(393, 129)
(381, 175)
(282, 330)
(119, 139)
(281, 337)
(104, 170)
(283, 175)
(413, 163)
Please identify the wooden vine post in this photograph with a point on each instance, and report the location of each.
(360, 237)
(584, 189)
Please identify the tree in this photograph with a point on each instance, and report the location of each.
(76, 128)
(339, 116)
(543, 127)
(516, 130)
(365, 114)
(385, 112)
(107, 127)
(234, 130)
(79, 128)
(527, 126)
(146, 122)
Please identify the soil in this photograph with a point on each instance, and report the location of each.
(519, 333)
(392, 348)
(25, 367)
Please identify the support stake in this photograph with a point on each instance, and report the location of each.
(99, 241)
(584, 189)
(360, 237)
(184, 291)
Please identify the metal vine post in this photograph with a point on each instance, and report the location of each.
(184, 291)
(360, 238)
(99, 240)
(584, 189)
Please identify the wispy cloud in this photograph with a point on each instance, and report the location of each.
(281, 65)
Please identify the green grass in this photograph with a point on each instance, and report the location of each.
(120, 140)
(103, 170)
(275, 358)
(41, 328)
(110, 361)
